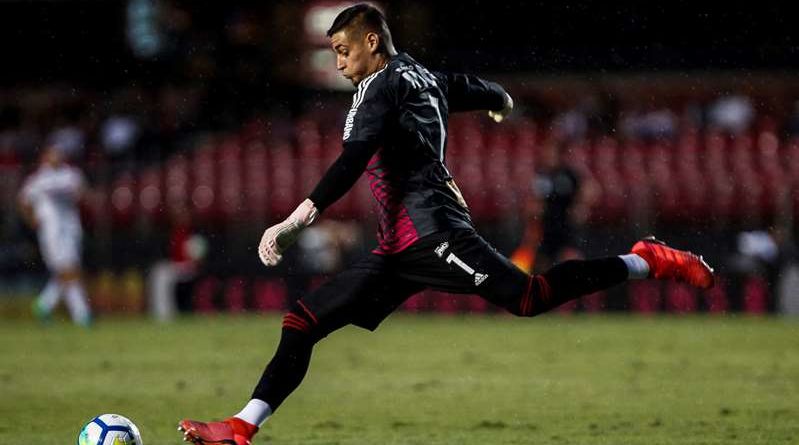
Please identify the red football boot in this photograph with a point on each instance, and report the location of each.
(232, 431)
(668, 263)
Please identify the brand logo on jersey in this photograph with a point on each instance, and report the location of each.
(479, 278)
(357, 99)
(419, 77)
(441, 248)
(348, 123)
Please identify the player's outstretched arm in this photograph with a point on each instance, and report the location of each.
(467, 92)
(338, 179)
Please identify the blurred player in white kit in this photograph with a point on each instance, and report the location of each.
(49, 203)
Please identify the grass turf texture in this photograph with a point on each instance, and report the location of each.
(418, 380)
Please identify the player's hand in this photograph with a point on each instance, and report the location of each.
(282, 235)
(498, 116)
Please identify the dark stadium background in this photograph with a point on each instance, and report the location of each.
(241, 67)
(85, 40)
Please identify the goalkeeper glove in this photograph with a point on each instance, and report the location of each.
(281, 236)
(498, 116)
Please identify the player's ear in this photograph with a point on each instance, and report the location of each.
(372, 42)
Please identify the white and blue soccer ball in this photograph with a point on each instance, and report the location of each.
(109, 429)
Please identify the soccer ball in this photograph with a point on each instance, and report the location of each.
(109, 429)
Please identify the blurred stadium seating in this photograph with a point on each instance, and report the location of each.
(706, 179)
(741, 180)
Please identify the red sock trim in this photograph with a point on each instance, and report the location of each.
(526, 304)
(295, 322)
(296, 318)
(308, 311)
(543, 286)
(287, 325)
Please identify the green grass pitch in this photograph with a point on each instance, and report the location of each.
(419, 379)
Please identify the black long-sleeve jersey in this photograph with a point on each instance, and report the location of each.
(396, 130)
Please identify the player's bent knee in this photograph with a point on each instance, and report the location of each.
(533, 300)
(300, 319)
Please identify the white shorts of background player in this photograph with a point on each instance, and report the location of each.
(60, 246)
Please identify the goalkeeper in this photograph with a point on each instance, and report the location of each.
(396, 131)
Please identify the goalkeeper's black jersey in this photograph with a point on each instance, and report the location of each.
(402, 111)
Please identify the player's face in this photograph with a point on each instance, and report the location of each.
(51, 157)
(353, 55)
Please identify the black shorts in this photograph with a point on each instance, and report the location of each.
(458, 262)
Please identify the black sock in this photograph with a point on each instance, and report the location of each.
(288, 367)
(575, 278)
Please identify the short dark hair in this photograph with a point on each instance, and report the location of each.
(365, 18)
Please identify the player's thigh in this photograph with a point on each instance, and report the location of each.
(61, 253)
(364, 295)
(463, 262)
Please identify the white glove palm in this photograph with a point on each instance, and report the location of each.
(498, 116)
(282, 235)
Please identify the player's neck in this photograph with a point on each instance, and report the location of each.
(379, 63)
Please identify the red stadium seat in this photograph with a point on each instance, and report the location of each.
(256, 181)
(644, 296)
(283, 181)
(176, 182)
(204, 295)
(123, 200)
(270, 295)
(772, 175)
(235, 295)
(231, 203)
(720, 180)
(500, 190)
(310, 155)
(151, 195)
(605, 167)
(636, 182)
(680, 298)
(203, 181)
(716, 299)
(522, 160)
(755, 295)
